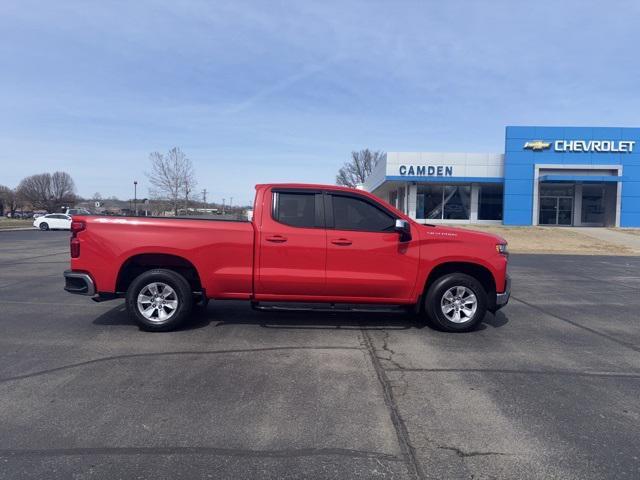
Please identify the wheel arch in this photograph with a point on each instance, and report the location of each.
(140, 263)
(475, 270)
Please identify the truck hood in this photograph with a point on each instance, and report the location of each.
(462, 234)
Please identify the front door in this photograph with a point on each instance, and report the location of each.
(556, 205)
(556, 211)
(293, 246)
(366, 261)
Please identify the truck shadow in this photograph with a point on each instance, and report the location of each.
(227, 313)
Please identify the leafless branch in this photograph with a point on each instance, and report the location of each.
(359, 167)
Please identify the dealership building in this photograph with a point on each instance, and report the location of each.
(560, 176)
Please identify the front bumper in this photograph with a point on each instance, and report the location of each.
(503, 298)
(79, 283)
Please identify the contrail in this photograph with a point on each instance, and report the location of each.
(283, 84)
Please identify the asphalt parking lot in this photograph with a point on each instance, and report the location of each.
(548, 388)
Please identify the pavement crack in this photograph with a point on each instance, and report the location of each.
(404, 441)
(167, 354)
(568, 373)
(229, 452)
(390, 352)
(463, 454)
(576, 324)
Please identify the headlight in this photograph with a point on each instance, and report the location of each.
(502, 249)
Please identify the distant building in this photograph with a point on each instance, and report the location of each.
(547, 176)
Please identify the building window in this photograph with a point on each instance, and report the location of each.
(490, 202)
(393, 198)
(444, 202)
(401, 196)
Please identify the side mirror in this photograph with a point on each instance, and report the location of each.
(404, 229)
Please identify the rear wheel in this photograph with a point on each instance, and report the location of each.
(159, 300)
(456, 303)
(44, 226)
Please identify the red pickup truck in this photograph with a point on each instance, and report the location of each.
(307, 246)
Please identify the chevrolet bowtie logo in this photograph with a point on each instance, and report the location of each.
(537, 145)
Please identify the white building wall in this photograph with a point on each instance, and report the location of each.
(463, 164)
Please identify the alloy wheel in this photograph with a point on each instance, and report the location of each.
(157, 302)
(459, 304)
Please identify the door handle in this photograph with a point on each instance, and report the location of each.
(341, 241)
(276, 239)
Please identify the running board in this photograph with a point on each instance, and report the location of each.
(329, 307)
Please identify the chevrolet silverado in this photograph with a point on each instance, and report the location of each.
(307, 246)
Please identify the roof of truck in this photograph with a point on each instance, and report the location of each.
(309, 185)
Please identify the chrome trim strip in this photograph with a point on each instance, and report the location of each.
(503, 298)
(91, 288)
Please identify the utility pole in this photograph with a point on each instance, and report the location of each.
(223, 205)
(186, 199)
(204, 198)
(135, 196)
(230, 202)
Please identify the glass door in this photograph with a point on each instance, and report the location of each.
(556, 211)
(593, 206)
(548, 211)
(565, 211)
(556, 205)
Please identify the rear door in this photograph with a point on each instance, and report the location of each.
(365, 258)
(55, 221)
(65, 222)
(293, 245)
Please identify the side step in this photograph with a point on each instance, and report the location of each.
(329, 307)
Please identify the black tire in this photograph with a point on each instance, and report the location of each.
(433, 302)
(181, 293)
(44, 226)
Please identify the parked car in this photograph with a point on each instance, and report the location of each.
(77, 211)
(20, 215)
(306, 244)
(53, 221)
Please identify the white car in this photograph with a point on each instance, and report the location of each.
(53, 221)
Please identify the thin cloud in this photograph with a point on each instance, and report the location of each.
(284, 84)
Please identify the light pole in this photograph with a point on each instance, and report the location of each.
(135, 196)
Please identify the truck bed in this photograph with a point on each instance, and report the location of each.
(221, 250)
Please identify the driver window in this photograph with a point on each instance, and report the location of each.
(350, 213)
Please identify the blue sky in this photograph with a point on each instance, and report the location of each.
(283, 91)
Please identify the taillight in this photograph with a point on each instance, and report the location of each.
(77, 226)
(74, 244)
(75, 247)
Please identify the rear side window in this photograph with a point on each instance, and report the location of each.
(295, 209)
(350, 213)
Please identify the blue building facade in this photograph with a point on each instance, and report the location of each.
(564, 176)
(572, 176)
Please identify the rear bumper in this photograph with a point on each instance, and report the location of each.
(503, 298)
(79, 283)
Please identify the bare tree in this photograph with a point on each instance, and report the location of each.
(36, 190)
(357, 169)
(62, 190)
(172, 177)
(8, 200)
(48, 191)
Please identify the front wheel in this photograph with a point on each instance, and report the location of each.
(44, 226)
(159, 300)
(456, 303)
